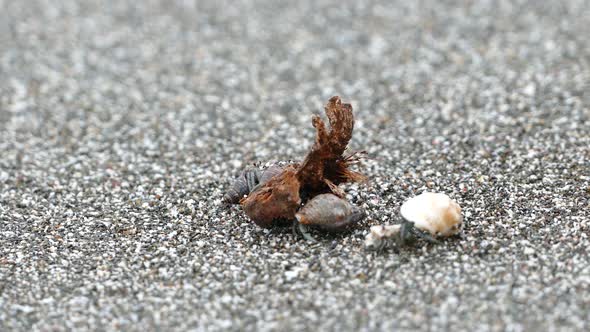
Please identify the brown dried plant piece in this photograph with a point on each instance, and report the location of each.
(322, 170)
(325, 167)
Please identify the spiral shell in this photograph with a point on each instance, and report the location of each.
(271, 172)
(242, 186)
(248, 180)
(329, 212)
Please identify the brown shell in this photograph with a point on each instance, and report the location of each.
(278, 199)
(330, 212)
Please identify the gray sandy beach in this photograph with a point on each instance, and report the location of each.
(122, 124)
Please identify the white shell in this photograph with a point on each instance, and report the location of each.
(435, 213)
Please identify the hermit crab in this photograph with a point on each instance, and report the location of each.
(306, 193)
(427, 216)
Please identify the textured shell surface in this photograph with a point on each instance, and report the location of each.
(242, 185)
(436, 213)
(329, 212)
(270, 172)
